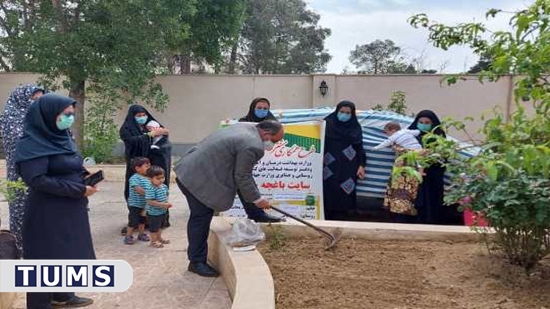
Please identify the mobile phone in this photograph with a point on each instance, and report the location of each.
(94, 179)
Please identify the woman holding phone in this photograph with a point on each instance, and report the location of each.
(56, 224)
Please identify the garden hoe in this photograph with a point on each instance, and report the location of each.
(331, 238)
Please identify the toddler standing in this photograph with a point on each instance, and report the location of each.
(156, 197)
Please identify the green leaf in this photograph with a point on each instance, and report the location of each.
(492, 171)
(522, 23)
(451, 80)
(492, 13)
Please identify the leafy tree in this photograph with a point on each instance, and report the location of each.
(508, 181)
(385, 57)
(482, 65)
(110, 43)
(280, 37)
(401, 68)
(378, 57)
(213, 30)
(398, 103)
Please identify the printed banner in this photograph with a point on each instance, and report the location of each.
(291, 174)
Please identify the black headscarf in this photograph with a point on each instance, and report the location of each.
(41, 137)
(349, 131)
(130, 124)
(251, 116)
(132, 133)
(435, 123)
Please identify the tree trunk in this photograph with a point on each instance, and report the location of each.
(62, 23)
(3, 64)
(78, 92)
(171, 61)
(185, 64)
(233, 59)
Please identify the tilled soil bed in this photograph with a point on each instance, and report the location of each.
(401, 274)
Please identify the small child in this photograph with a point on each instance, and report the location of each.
(401, 137)
(138, 185)
(156, 196)
(153, 125)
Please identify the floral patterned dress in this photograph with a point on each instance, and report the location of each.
(402, 190)
(11, 127)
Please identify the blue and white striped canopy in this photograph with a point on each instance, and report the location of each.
(379, 162)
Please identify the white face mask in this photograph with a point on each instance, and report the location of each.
(268, 145)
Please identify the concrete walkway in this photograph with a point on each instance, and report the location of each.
(161, 279)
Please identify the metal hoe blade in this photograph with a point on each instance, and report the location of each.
(331, 239)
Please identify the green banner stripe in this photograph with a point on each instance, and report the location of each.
(303, 141)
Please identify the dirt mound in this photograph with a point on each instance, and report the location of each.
(401, 274)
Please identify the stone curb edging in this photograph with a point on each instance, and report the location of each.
(246, 274)
(383, 231)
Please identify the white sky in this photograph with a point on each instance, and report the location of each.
(360, 22)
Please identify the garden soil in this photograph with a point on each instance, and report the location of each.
(401, 274)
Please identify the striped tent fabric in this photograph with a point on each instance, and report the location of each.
(379, 162)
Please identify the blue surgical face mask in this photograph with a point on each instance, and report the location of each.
(343, 117)
(261, 113)
(424, 127)
(141, 120)
(65, 121)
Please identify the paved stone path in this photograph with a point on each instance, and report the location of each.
(161, 280)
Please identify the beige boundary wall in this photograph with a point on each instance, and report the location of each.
(199, 102)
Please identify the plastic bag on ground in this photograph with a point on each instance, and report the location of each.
(245, 232)
(89, 161)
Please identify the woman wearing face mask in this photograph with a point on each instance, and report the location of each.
(56, 224)
(429, 200)
(11, 126)
(344, 162)
(138, 140)
(258, 112)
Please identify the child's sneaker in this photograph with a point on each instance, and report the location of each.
(143, 237)
(129, 240)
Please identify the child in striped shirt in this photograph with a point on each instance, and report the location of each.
(156, 197)
(138, 184)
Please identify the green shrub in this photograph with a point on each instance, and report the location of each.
(508, 180)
